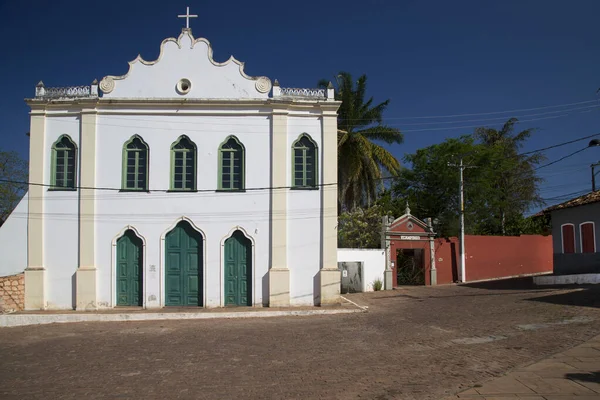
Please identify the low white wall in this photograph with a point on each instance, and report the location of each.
(13, 241)
(576, 279)
(373, 264)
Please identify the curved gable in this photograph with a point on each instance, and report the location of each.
(185, 58)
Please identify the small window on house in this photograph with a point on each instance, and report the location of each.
(304, 159)
(183, 165)
(135, 165)
(568, 238)
(231, 165)
(588, 237)
(64, 153)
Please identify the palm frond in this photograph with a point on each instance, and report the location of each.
(385, 159)
(382, 132)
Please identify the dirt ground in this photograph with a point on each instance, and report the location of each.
(414, 343)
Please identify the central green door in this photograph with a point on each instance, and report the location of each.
(129, 270)
(183, 269)
(238, 270)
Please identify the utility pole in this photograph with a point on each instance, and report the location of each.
(594, 176)
(461, 168)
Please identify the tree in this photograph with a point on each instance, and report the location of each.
(360, 228)
(512, 177)
(361, 161)
(431, 186)
(12, 169)
(501, 188)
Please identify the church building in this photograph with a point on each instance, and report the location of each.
(184, 182)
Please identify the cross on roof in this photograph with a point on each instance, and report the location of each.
(187, 17)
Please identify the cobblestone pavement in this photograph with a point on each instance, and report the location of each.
(414, 343)
(572, 374)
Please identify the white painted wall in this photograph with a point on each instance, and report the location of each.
(373, 264)
(304, 221)
(152, 215)
(13, 240)
(61, 226)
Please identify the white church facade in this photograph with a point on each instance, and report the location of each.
(184, 182)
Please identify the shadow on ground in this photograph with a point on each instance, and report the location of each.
(571, 295)
(586, 377)
(525, 283)
(586, 296)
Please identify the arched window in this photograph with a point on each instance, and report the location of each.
(135, 164)
(304, 162)
(568, 238)
(64, 161)
(588, 237)
(183, 164)
(231, 165)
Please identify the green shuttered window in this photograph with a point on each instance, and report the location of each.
(231, 165)
(304, 163)
(135, 165)
(64, 161)
(183, 165)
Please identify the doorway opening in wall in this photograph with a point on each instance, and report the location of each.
(410, 267)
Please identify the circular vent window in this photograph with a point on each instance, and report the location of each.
(184, 86)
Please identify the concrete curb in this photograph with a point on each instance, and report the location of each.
(575, 279)
(13, 320)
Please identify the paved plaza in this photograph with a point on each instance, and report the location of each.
(573, 374)
(413, 343)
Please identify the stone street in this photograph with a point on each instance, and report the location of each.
(573, 374)
(414, 343)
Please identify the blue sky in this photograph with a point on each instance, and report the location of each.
(431, 58)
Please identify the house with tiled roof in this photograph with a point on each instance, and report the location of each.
(575, 234)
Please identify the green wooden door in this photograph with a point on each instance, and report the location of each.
(238, 270)
(183, 267)
(129, 270)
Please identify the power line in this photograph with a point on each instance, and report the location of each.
(561, 144)
(477, 126)
(161, 190)
(265, 118)
(499, 112)
(560, 159)
(497, 118)
(567, 195)
(246, 124)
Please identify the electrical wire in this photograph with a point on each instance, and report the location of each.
(560, 159)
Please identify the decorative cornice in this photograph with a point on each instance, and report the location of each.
(264, 81)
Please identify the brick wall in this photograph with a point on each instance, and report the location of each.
(491, 257)
(487, 257)
(12, 293)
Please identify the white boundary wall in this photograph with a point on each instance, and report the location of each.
(373, 264)
(13, 241)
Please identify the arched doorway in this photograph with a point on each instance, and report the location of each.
(183, 266)
(238, 270)
(129, 269)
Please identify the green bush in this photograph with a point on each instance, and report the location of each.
(377, 284)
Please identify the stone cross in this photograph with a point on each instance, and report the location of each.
(187, 17)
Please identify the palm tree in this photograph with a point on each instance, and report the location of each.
(361, 161)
